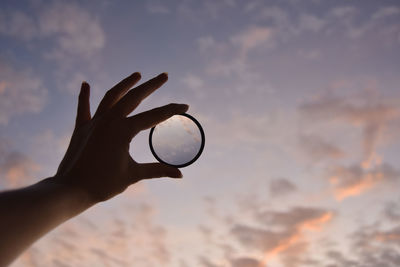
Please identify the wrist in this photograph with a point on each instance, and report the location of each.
(76, 197)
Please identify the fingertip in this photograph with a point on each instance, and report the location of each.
(180, 108)
(136, 75)
(163, 76)
(85, 86)
(178, 174)
(185, 107)
(173, 172)
(85, 90)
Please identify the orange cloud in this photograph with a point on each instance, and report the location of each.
(313, 224)
(354, 180)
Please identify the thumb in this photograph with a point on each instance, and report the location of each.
(156, 170)
(83, 114)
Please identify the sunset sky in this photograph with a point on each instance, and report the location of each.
(299, 101)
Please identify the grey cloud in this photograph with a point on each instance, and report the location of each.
(245, 262)
(59, 263)
(204, 261)
(109, 243)
(354, 180)
(370, 113)
(291, 218)
(297, 255)
(281, 186)
(282, 233)
(375, 247)
(339, 259)
(318, 149)
(392, 211)
(257, 238)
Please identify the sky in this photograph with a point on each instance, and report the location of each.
(299, 101)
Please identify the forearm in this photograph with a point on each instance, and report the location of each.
(31, 212)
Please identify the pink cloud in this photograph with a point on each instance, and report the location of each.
(16, 169)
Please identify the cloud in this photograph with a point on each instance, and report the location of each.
(371, 113)
(17, 24)
(16, 169)
(366, 110)
(295, 217)
(392, 211)
(339, 259)
(192, 81)
(157, 8)
(195, 11)
(385, 12)
(281, 231)
(130, 236)
(195, 84)
(370, 247)
(230, 56)
(341, 21)
(73, 30)
(280, 187)
(245, 262)
(77, 32)
(20, 92)
(208, 263)
(317, 149)
(242, 129)
(354, 180)
(250, 39)
(276, 16)
(311, 23)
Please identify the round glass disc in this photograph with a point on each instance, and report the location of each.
(177, 141)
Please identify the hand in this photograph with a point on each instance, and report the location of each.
(98, 160)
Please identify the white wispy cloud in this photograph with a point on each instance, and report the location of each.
(76, 31)
(72, 30)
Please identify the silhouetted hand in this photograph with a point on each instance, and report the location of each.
(96, 167)
(98, 160)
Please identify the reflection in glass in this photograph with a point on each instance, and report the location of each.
(177, 141)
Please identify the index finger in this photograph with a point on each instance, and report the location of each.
(114, 94)
(151, 118)
(133, 98)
